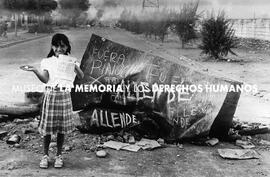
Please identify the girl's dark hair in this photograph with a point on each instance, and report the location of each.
(57, 40)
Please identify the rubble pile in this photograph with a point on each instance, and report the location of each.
(249, 135)
(254, 44)
(23, 134)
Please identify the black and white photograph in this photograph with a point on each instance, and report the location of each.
(173, 88)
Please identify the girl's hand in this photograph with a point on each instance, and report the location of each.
(43, 76)
(28, 68)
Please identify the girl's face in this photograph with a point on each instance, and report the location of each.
(60, 49)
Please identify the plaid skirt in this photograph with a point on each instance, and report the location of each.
(56, 113)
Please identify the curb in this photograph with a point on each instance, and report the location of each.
(23, 40)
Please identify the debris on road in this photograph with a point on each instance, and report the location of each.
(148, 144)
(101, 153)
(212, 142)
(13, 139)
(132, 148)
(239, 154)
(264, 142)
(115, 144)
(131, 140)
(145, 144)
(161, 141)
(244, 144)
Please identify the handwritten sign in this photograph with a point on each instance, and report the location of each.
(189, 113)
(107, 119)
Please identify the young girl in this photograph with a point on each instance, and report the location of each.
(56, 110)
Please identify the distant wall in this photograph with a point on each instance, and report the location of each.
(252, 28)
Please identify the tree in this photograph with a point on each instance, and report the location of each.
(38, 7)
(73, 9)
(218, 36)
(185, 22)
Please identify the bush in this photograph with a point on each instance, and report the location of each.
(217, 37)
(185, 22)
(148, 23)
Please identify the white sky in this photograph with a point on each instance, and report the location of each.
(233, 8)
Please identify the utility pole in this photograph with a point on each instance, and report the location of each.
(150, 3)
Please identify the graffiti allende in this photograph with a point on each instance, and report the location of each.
(111, 118)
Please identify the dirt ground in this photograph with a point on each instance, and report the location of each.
(249, 66)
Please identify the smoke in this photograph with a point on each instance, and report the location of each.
(104, 9)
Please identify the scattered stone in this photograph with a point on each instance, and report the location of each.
(101, 153)
(120, 139)
(241, 142)
(14, 139)
(11, 167)
(93, 149)
(180, 146)
(87, 158)
(161, 141)
(131, 140)
(212, 142)
(126, 138)
(17, 145)
(34, 124)
(147, 144)
(3, 134)
(67, 148)
(110, 137)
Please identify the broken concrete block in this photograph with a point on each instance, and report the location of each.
(131, 140)
(212, 142)
(14, 139)
(238, 154)
(244, 144)
(126, 138)
(110, 137)
(161, 141)
(241, 142)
